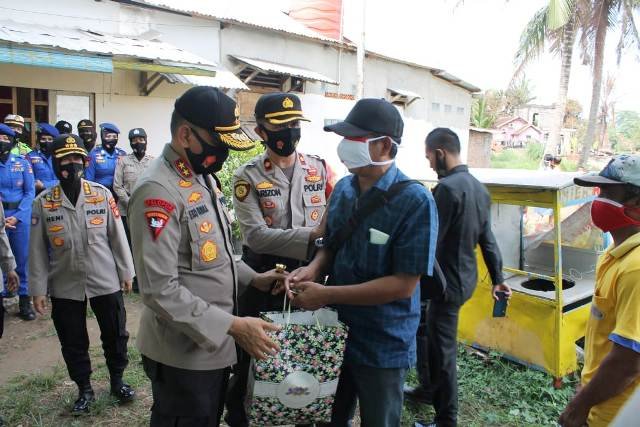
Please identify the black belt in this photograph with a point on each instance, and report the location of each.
(10, 205)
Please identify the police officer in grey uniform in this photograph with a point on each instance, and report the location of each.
(128, 170)
(279, 200)
(188, 277)
(8, 267)
(79, 252)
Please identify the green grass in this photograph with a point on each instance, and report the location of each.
(493, 392)
(514, 158)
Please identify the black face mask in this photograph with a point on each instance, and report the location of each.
(6, 147)
(75, 171)
(89, 139)
(110, 145)
(45, 148)
(214, 157)
(283, 142)
(441, 166)
(139, 149)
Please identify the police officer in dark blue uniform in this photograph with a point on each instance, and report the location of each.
(17, 192)
(103, 159)
(41, 160)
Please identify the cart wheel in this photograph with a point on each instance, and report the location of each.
(557, 383)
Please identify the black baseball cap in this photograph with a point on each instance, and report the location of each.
(209, 108)
(279, 108)
(64, 127)
(370, 116)
(137, 132)
(67, 144)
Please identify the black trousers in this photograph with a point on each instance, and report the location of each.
(70, 320)
(442, 348)
(1, 315)
(422, 348)
(185, 398)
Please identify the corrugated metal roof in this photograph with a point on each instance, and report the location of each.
(78, 40)
(256, 13)
(289, 70)
(224, 79)
(405, 92)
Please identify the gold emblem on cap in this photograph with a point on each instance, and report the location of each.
(236, 112)
(69, 140)
(287, 103)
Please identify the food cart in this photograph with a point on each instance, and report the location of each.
(543, 227)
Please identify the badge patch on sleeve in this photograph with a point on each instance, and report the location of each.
(160, 203)
(156, 221)
(241, 190)
(208, 251)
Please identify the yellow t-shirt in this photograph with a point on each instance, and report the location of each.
(615, 318)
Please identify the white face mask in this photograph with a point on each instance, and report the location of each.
(355, 153)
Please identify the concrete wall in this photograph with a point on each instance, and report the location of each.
(116, 98)
(479, 149)
(379, 74)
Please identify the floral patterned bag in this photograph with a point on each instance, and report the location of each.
(298, 385)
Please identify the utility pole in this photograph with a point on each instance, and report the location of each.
(360, 53)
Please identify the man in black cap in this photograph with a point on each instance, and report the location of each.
(128, 169)
(64, 127)
(187, 275)
(279, 199)
(87, 131)
(79, 254)
(374, 263)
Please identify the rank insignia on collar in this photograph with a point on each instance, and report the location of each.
(206, 227)
(241, 190)
(264, 185)
(156, 221)
(87, 188)
(208, 251)
(182, 168)
(194, 197)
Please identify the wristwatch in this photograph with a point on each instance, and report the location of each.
(319, 242)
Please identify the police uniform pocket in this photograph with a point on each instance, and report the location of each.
(96, 227)
(205, 244)
(314, 206)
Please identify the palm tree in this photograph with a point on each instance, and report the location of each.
(607, 113)
(553, 24)
(481, 117)
(604, 15)
(558, 23)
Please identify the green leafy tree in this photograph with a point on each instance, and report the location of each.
(480, 116)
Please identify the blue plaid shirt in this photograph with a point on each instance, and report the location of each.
(383, 336)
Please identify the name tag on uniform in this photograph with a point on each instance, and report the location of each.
(377, 237)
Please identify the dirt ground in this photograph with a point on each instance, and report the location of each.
(33, 347)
